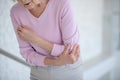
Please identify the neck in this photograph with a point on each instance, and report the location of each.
(42, 2)
(38, 8)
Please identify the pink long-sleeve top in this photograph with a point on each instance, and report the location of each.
(56, 24)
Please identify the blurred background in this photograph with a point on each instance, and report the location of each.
(99, 26)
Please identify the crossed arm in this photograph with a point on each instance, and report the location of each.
(29, 35)
(26, 35)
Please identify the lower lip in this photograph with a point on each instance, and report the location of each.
(27, 4)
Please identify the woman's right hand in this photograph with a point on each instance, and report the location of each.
(68, 58)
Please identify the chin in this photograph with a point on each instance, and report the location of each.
(30, 6)
(36, 1)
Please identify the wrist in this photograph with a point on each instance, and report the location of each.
(50, 61)
(57, 62)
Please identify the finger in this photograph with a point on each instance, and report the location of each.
(77, 53)
(24, 26)
(20, 28)
(66, 50)
(74, 49)
(77, 50)
(19, 33)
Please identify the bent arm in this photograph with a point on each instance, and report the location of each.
(26, 50)
(68, 27)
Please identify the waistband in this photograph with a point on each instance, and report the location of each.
(76, 64)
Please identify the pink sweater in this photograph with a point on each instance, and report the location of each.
(56, 25)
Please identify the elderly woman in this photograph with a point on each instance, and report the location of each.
(48, 38)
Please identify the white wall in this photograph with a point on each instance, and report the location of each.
(8, 40)
(89, 15)
(9, 69)
(12, 70)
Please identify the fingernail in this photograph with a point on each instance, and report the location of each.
(68, 44)
(22, 26)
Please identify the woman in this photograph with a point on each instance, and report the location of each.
(48, 38)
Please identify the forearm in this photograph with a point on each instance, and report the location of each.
(64, 58)
(51, 61)
(52, 48)
(44, 44)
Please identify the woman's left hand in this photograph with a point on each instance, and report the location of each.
(26, 34)
(69, 58)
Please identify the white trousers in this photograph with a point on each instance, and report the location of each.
(66, 72)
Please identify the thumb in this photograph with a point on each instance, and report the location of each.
(74, 49)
